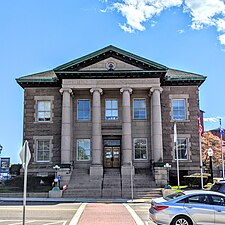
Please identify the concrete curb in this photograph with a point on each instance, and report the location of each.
(76, 200)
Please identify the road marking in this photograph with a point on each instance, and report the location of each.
(41, 222)
(78, 214)
(136, 218)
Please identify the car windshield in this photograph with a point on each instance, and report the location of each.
(173, 196)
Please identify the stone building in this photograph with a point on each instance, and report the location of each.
(110, 114)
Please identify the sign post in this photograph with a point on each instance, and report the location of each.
(210, 154)
(25, 158)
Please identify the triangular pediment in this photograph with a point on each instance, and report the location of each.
(110, 64)
(110, 59)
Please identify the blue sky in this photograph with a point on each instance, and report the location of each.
(39, 35)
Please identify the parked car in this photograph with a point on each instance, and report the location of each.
(218, 186)
(195, 207)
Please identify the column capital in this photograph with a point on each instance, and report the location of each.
(92, 90)
(156, 88)
(130, 90)
(66, 89)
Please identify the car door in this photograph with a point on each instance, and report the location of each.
(199, 209)
(219, 207)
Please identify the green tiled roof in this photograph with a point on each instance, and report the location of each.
(168, 76)
(43, 77)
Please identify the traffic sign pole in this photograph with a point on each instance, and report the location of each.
(25, 158)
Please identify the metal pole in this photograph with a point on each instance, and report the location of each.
(211, 168)
(178, 172)
(131, 181)
(176, 148)
(201, 164)
(221, 142)
(25, 185)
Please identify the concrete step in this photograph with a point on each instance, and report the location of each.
(111, 193)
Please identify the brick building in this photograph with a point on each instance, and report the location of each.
(108, 114)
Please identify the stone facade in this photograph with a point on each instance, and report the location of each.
(110, 74)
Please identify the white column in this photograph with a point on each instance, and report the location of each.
(126, 127)
(66, 125)
(97, 151)
(156, 119)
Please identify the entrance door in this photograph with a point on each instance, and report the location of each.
(112, 157)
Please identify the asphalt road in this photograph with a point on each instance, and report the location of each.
(63, 213)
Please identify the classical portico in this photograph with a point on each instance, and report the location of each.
(125, 87)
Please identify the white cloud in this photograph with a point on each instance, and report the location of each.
(204, 13)
(213, 119)
(222, 39)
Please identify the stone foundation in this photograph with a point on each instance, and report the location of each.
(160, 174)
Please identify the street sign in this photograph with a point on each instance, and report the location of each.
(25, 155)
(210, 152)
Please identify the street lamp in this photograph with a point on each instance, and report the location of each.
(167, 166)
(210, 154)
(56, 168)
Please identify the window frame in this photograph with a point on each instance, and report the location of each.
(146, 149)
(187, 149)
(37, 150)
(77, 148)
(39, 99)
(44, 111)
(145, 109)
(112, 109)
(184, 110)
(89, 101)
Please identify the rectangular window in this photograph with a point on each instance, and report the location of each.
(179, 109)
(43, 151)
(139, 109)
(43, 110)
(83, 109)
(83, 149)
(182, 149)
(140, 148)
(111, 109)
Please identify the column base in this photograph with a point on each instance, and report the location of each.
(160, 174)
(96, 171)
(126, 170)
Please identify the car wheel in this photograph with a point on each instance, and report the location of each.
(181, 220)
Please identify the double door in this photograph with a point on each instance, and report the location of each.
(112, 157)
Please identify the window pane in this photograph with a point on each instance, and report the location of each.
(179, 109)
(47, 105)
(83, 110)
(140, 148)
(182, 149)
(114, 104)
(108, 104)
(83, 149)
(111, 110)
(43, 110)
(41, 106)
(43, 150)
(139, 109)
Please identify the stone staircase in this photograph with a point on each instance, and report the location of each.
(111, 187)
(82, 185)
